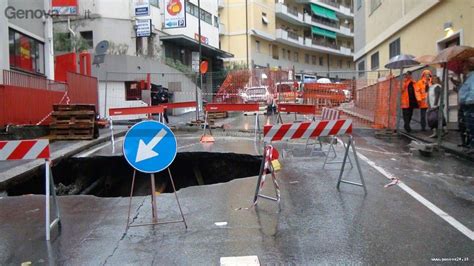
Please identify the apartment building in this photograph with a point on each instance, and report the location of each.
(311, 36)
(26, 40)
(384, 29)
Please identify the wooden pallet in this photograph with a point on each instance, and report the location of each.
(73, 122)
(217, 115)
(72, 134)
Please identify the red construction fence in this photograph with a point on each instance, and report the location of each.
(28, 100)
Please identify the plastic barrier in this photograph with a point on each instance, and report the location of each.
(297, 109)
(32, 150)
(305, 130)
(226, 107)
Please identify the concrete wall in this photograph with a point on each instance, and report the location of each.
(4, 52)
(421, 36)
(32, 25)
(131, 68)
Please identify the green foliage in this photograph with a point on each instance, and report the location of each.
(64, 42)
(176, 64)
(235, 65)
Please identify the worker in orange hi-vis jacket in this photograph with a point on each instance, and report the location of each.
(421, 92)
(408, 100)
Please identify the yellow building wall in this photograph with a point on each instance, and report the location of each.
(421, 36)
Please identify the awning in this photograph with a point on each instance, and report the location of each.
(324, 12)
(187, 42)
(323, 32)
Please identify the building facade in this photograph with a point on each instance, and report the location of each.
(26, 38)
(418, 27)
(311, 36)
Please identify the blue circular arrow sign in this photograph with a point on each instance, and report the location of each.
(150, 146)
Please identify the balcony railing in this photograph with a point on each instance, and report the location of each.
(292, 11)
(325, 22)
(13, 78)
(331, 3)
(293, 35)
(325, 43)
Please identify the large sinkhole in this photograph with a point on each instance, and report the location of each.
(111, 176)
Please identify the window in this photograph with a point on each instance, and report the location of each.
(296, 57)
(216, 22)
(270, 49)
(313, 60)
(374, 4)
(133, 91)
(264, 18)
(306, 58)
(26, 53)
(359, 4)
(339, 63)
(348, 64)
(374, 61)
(194, 10)
(288, 55)
(257, 46)
(88, 36)
(321, 61)
(283, 51)
(394, 48)
(361, 68)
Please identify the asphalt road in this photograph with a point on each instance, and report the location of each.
(317, 224)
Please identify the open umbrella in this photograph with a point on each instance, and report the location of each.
(425, 59)
(454, 53)
(399, 62)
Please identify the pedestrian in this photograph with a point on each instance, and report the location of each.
(466, 99)
(434, 95)
(461, 120)
(421, 94)
(408, 100)
(159, 95)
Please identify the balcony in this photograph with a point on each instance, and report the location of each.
(290, 38)
(220, 4)
(331, 4)
(288, 14)
(221, 29)
(330, 25)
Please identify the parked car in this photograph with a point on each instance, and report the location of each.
(255, 94)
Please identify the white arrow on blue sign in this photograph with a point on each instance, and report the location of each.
(150, 146)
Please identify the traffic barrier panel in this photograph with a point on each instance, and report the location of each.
(145, 110)
(296, 109)
(228, 107)
(305, 130)
(32, 150)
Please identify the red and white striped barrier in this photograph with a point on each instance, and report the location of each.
(330, 114)
(32, 150)
(24, 150)
(307, 130)
(296, 109)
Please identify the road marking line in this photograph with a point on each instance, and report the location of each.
(89, 152)
(448, 218)
(243, 260)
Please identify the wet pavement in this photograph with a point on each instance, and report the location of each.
(317, 223)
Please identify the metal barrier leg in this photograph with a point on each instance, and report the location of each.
(260, 175)
(112, 137)
(49, 185)
(256, 126)
(350, 144)
(331, 148)
(154, 210)
(177, 200)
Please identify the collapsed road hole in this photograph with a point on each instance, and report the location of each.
(112, 176)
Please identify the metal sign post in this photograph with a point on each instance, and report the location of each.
(150, 147)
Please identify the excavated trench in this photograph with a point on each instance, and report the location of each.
(112, 176)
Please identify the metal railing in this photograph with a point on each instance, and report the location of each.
(323, 42)
(315, 19)
(13, 78)
(292, 35)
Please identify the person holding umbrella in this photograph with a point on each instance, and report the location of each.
(466, 100)
(409, 100)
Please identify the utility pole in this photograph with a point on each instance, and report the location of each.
(247, 31)
(200, 60)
